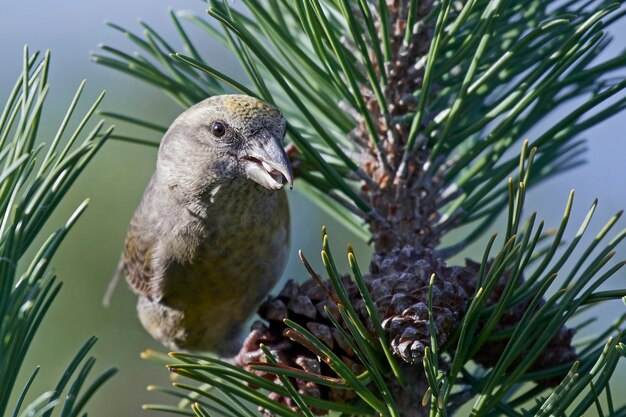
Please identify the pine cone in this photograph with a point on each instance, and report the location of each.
(304, 304)
(399, 287)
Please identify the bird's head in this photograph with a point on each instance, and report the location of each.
(225, 137)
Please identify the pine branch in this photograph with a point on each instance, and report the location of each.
(407, 115)
(34, 179)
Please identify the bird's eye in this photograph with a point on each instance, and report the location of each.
(218, 129)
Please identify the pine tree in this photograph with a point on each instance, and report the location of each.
(406, 120)
(35, 178)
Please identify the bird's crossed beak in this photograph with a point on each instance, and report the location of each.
(266, 162)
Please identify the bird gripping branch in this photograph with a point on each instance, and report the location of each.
(210, 237)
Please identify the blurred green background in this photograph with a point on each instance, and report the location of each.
(118, 175)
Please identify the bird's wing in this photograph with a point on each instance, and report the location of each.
(138, 258)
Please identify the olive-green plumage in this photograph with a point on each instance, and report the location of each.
(211, 235)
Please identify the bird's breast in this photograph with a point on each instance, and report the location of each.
(235, 252)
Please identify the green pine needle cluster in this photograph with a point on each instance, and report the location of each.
(501, 70)
(494, 74)
(34, 179)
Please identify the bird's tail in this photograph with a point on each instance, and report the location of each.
(106, 300)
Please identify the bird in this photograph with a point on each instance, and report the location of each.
(210, 236)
